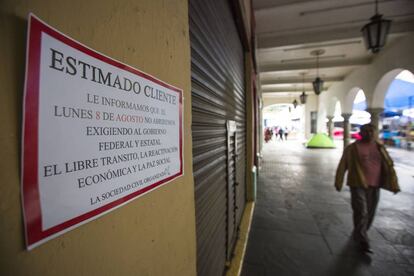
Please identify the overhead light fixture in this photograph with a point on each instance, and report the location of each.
(318, 82)
(303, 96)
(375, 32)
(295, 103)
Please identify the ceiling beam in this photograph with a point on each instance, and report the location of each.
(284, 94)
(356, 41)
(271, 5)
(312, 65)
(307, 35)
(298, 80)
(318, 35)
(286, 89)
(287, 94)
(259, 7)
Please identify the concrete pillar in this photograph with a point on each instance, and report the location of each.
(375, 115)
(330, 126)
(347, 128)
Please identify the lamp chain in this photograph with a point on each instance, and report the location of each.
(303, 82)
(317, 65)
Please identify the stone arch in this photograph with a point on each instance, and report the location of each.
(338, 113)
(349, 100)
(331, 105)
(360, 114)
(382, 88)
(273, 105)
(276, 101)
(272, 110)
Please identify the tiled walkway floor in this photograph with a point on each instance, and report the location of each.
(302, 225)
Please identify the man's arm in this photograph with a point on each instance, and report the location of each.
(340, 171)
(392, 183)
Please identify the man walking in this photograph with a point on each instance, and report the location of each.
(281, 132)
(369, 168)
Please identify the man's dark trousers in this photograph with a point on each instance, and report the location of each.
(364, 203)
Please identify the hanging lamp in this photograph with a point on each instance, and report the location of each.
(295, 103)
(303, 96)
(318, 82)
(376, 31)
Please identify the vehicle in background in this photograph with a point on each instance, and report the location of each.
(338, 132)
(356, 136)
(355, 133)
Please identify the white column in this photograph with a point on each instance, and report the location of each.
(330, 126)
(375, 115)
(347, 128)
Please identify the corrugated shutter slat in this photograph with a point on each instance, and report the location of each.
(217, 75)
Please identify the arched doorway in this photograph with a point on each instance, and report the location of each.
(359, 114)
(354, 113)
(338, 121)
(397, 120)
(283, 116)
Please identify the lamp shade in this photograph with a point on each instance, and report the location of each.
(375, 33)
(303, 97)
(317, 85)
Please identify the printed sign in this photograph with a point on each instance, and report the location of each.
(96, 134)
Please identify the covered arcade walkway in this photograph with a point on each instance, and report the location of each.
(302, 226)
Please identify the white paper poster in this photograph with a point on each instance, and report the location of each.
(97, 134)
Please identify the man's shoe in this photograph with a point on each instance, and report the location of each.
(366, 248)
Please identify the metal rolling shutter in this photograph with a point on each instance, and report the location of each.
(217, 67)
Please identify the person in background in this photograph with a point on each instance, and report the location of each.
(281, 132)
(275, 131)
(268, 134)
(369, 168)
(286, 133)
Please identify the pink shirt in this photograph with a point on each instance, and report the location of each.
(371, 162)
